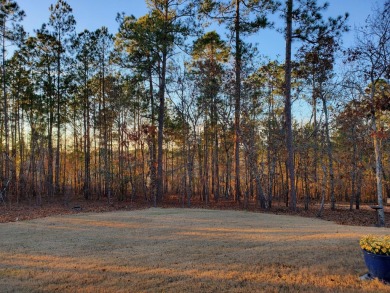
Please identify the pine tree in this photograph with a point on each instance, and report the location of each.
(241, 17)
(62, 25)
(306, 24)
(10, 29)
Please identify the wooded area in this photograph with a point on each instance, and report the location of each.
(165, 106)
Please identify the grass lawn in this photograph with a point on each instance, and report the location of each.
(182, 250)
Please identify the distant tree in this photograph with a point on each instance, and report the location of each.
(371, 53)
(10, 30)
(85, 50)
(242, 17)
(103, 50)
(263, 107)
(304, 23)
(170, 28)
(352, 129)
(62, 25)
(209, 53)
(190, 115)
(19, 88)
(136, 45)
(316, 67)
(40, 51)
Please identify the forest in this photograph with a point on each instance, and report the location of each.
(167, 106)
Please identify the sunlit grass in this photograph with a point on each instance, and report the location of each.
(181, 250)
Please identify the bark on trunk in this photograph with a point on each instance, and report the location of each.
(6, 175)
(329, 151)
(378, 159)
(378, 173)
(161, 111)
(237, 109)
(354, 171)
(288, 118)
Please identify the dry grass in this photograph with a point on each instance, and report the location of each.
(182, 250)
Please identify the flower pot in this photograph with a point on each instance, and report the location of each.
(378, 265)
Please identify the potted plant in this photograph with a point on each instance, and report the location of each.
(376, 251)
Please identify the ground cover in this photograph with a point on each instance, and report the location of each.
(12, 212)
(182, 250)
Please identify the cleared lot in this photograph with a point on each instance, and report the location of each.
(182, 250)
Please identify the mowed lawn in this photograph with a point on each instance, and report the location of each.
(182, 250)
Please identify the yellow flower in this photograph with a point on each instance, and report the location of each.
(376, 244)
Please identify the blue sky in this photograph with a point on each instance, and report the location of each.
(92, 14)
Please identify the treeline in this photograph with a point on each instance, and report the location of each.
(163, 107)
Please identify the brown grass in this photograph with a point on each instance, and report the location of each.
(182, 250)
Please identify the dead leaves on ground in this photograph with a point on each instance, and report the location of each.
(13, 212)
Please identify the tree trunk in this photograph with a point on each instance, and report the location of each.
(323, 191)
(215, 160)
(161, 113)
(329, 151)
(191, 149)
(354, 171)
(6, 175)
(378, 158)
(288, 118)
(58, 114)
(315, 146)
(378, 172)
(50, 185)
(87, 145)
(237, 109)
(306, 187)
(107, 168)
(251, 151)
(152, 144)
(206, 192)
